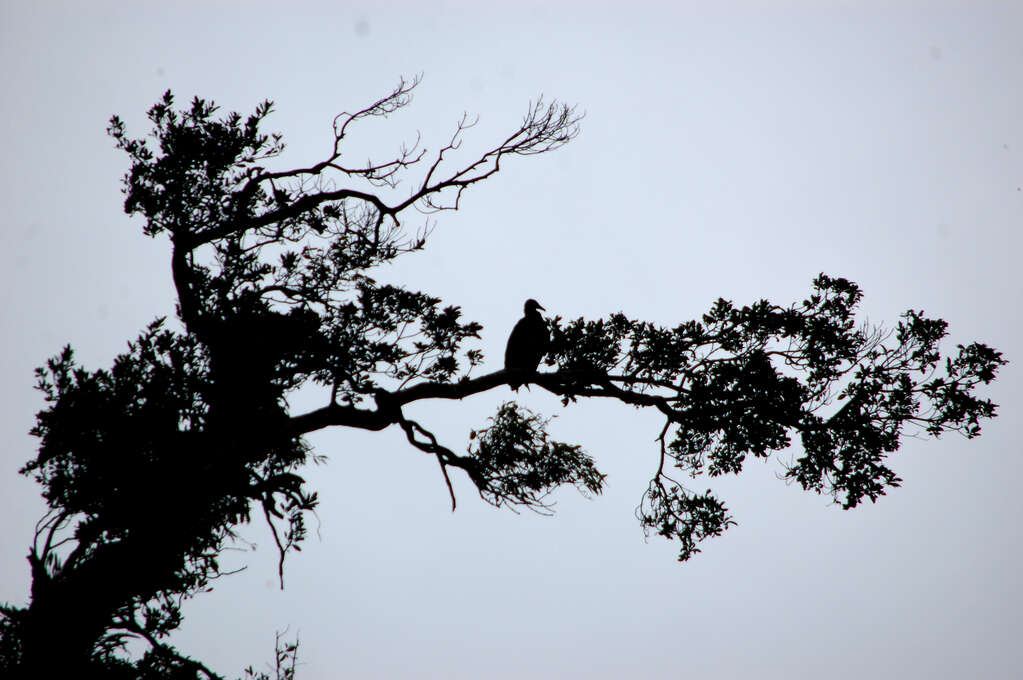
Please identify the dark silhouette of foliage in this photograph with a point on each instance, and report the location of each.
(745, 381)
(149, 467)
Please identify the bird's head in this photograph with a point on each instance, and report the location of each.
(532, 305)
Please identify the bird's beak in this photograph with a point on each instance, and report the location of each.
(541, 306)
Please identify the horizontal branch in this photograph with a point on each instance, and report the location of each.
(561, 383)
(336, 414)
(389, 403)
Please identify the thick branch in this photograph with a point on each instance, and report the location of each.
(346, 416)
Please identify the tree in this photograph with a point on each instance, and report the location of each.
(149, 467)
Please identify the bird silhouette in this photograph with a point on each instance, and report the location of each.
(526, 345)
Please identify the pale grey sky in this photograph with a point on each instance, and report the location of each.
(732, 152)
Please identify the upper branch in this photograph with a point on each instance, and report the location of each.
(544, 128)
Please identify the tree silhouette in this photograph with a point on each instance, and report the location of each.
(148, 467)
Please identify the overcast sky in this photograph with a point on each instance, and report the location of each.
(734, 152)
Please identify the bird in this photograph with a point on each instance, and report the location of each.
(527, 344)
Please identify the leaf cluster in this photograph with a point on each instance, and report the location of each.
(517, 462)
(745, 381)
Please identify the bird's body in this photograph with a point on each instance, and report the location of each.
(526, 345)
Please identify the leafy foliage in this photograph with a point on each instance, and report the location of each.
(746, 381)
(517, 463)
(150, 467)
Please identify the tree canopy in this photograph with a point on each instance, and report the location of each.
(149, 467)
